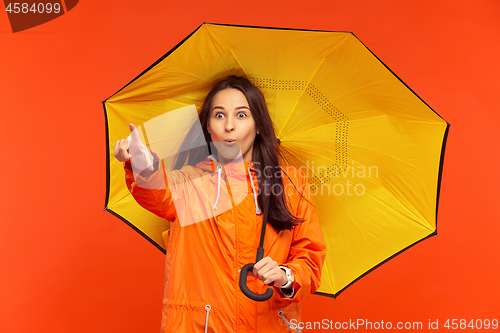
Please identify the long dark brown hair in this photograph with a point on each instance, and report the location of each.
(266, 153)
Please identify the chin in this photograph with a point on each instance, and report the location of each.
(228, 153)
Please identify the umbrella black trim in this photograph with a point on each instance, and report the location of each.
(108, 180)
(273, 28)
(221, 24)
(108, 175)
(137, 230)
(441, 165)
(374, 267)
(290, 29)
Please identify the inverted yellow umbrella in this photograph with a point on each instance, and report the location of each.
(371, 148)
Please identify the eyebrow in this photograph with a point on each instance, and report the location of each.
(238, 108)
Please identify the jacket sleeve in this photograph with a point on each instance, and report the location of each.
(153, 192)
(308, 250)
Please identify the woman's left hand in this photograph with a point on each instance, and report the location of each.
(269, 271)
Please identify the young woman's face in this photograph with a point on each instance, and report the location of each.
(231, 125)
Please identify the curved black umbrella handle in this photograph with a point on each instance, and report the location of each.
(243, 281)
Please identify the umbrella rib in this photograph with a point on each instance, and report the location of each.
(409, 208)
(391, 156)
(351, 220)
(307, 118)
(333, 163)
(311, 129)
(239, 63)
(309, 83)
(357, 120)
(416, 219)
(298, 99)
(190, 74)
(354, 224)
(329, 124)
(122, 198)
(163, 99)
(298, 158)
(214, 42)
(128, 99)
(213, 39)
(332, 101)
(356, 89)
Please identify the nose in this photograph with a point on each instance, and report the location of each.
(229, 125)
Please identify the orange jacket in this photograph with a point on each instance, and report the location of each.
(202, 293)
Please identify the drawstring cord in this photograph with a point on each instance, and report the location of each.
(257, 209)
(219, 170)
(280, 313)
(291, 326)
(207, 307)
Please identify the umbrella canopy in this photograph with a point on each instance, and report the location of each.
(371, 148)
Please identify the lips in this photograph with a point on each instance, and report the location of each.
(230, 142)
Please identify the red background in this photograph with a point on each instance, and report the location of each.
(67, 266)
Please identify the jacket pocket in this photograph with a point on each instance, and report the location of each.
(279, 316)
(292, 321)
(190, 316)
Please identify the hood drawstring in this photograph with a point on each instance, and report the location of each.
(207, 307)
(290, 325)
(219, 170)
(257, 209)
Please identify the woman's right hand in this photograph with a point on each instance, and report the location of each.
(132, 148)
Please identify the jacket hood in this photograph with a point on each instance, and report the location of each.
(237, 174)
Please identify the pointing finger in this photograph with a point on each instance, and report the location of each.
(115, 151)
(133, 133)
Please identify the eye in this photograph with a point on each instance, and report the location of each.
(242, 114)
(219, 115)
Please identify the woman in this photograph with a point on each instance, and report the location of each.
(203, 259)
